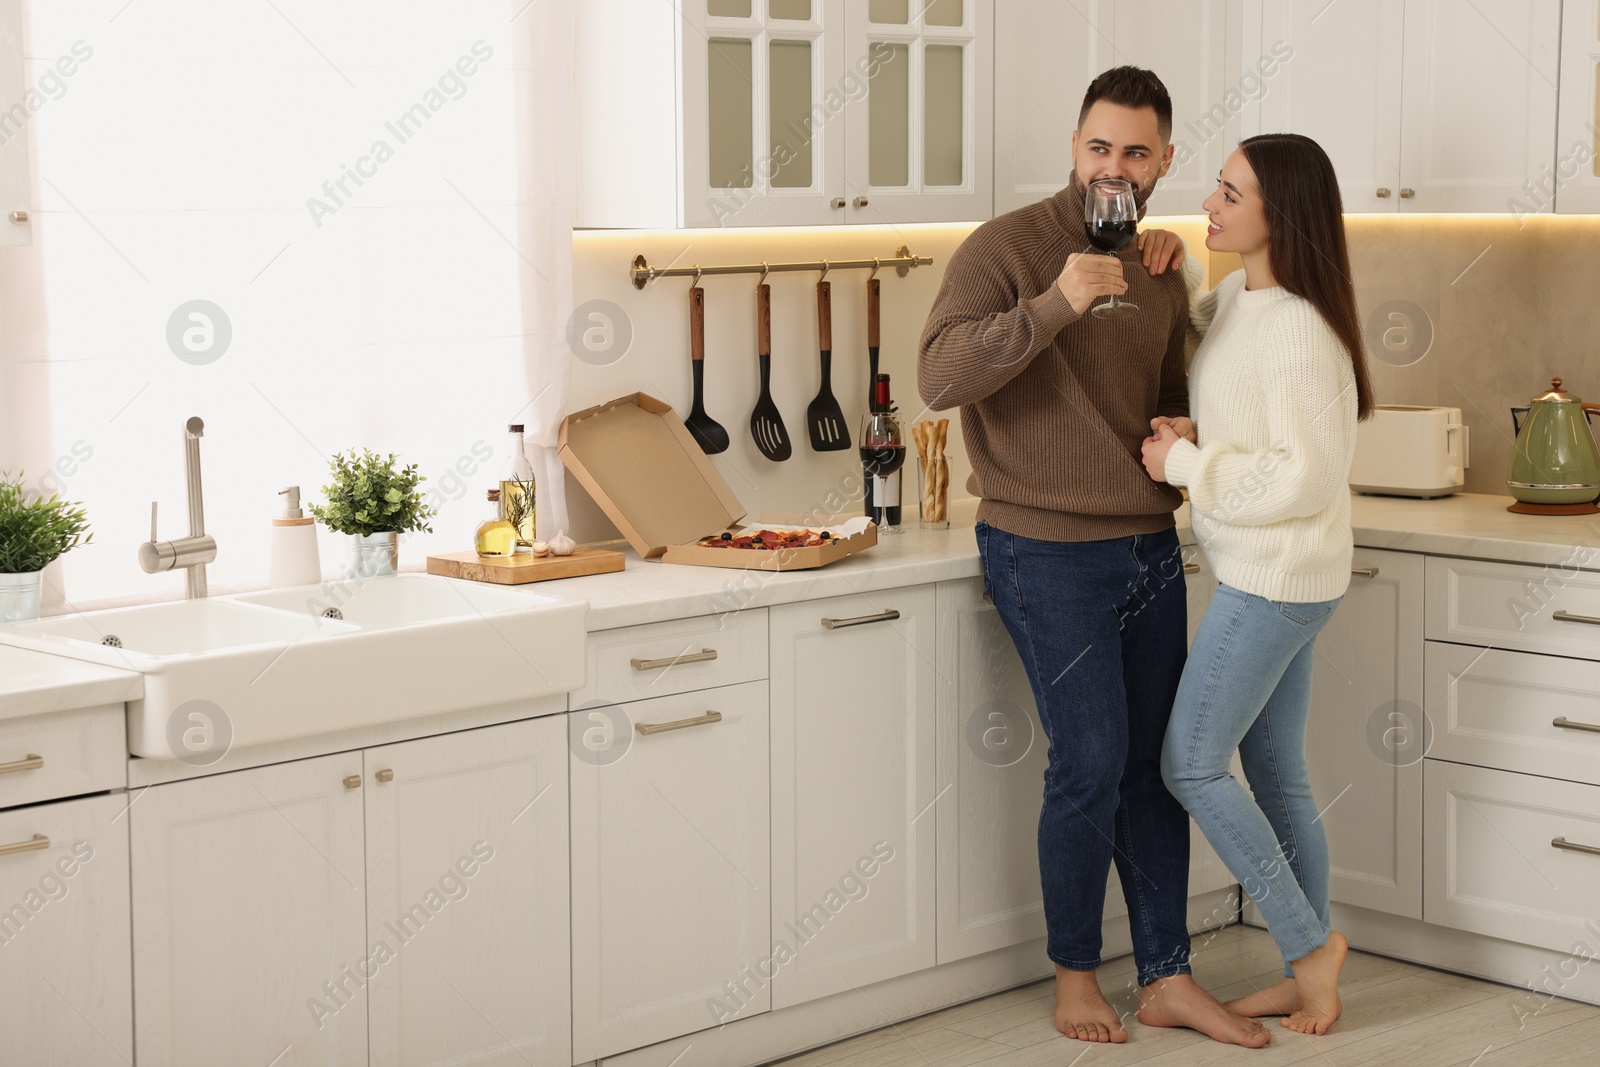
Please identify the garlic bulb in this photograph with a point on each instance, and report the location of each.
(538, 548)
(562, 545)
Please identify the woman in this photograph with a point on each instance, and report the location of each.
(1275, 391)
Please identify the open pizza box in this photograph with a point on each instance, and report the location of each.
(647, 473)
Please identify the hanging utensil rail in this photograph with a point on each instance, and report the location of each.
(902, 261)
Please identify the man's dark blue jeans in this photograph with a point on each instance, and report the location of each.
(1101, 627)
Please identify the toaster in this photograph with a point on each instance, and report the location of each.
(1410, 451)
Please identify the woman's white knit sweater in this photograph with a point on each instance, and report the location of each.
(1273, 397)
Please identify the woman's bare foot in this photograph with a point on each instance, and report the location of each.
(1082, 1011)
(1280, 999)
(1179, 1001)
(1317, 978)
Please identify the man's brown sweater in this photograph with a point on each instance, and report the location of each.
(1054, 406)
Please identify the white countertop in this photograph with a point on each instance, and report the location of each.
(34, 683)
(1469, 525)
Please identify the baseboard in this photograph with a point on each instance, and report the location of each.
(776, 1034)
(1537, 973)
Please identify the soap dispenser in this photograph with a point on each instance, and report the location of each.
(294, 544)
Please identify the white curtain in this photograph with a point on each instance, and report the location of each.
(318, 226)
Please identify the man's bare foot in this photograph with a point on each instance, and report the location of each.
(1317, 977)
(1082, 1011)
(1280, 999)
(1179, 1001)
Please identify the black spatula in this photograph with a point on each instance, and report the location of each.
(706, 430)
(766, 425)
(824, 421)
(872, 333)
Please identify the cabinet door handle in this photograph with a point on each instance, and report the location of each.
(19, 216)
(385, 775)
(1569, 846)
(705, 655)
(861, 620)
(37, 842)
(352, 781)
(707, 719)
(30, 762)
(1191, 568)
(1364, 572)
(1567, 616)
(1564, 723)
(1407, 194)
(838, 203)
(1383, 193)
(861, 201)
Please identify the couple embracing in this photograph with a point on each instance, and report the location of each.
(1079, 430)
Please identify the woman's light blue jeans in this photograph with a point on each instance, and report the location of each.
(1247, 686)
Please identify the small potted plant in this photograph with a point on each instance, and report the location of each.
(375, 501)
(33, 534)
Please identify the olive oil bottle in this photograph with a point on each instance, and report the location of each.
(518, 494)
(496, 538)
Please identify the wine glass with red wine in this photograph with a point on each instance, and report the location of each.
(883, 452)
(1111, 218)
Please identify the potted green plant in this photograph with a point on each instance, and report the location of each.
(374, 500)
(33, 534)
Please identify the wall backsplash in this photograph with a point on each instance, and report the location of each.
(1508, 304)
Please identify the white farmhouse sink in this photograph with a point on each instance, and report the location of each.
(267, 667)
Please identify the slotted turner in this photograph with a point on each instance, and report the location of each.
(766, 424)
(708, 432)
(824, 421)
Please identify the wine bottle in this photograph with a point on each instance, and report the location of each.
(883, 454)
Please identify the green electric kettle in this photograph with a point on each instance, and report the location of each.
(1555, 460)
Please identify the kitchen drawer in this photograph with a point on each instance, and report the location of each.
(1493, 858)
(81, 752)
(1511, 605)
(662, 658)
(1499, 709)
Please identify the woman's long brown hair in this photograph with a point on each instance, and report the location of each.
(1306, 244)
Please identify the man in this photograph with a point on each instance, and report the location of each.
(1078, 548)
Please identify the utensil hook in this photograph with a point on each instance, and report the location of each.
(824, 275)
(876, 265)
(764, 272)
(696, 275)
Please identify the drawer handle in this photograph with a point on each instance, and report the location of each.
(1191, 568)
(38, 842)
(1567, 846)
(1364, 572)
(30, 762)
(707, 719)
(861, 620)
(1567, 616)
(1565, 723)
(705, 655)
(385, 775)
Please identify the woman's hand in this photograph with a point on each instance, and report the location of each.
(1183, 426)
(1156, 448)
(1160, 249)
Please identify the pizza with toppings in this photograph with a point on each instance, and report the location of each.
(767, 539)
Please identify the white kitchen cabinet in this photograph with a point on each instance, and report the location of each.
(853, 790)
(66, 979)
(466, 847)
(720, 113)
(250, 916)
(992, 753)
(1423, 106)
(1367, 735)
(671, 918)
(14, 178)
(1574, 179)
(1513, 856)
(1047, 52)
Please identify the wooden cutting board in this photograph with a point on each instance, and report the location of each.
(519, 570)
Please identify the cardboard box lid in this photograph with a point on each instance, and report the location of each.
(647, 473)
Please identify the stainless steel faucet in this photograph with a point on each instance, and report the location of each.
(196, 550)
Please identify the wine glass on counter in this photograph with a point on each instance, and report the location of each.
(1111, 217)
(883, 453)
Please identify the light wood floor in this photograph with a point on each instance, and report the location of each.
(1394, 1013)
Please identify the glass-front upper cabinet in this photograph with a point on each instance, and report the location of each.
(920, 130)
(763, 127)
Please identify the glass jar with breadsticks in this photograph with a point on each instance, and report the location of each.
(933, 472)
